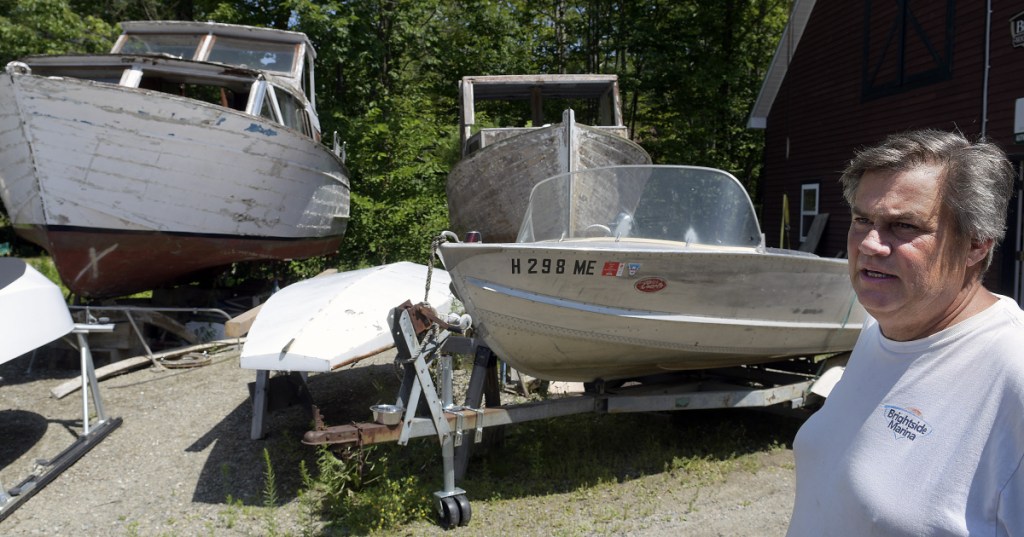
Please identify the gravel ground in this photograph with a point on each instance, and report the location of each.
(182, 463)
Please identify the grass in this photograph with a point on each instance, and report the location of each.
(620, 447)
(392, 486)
(589, 474)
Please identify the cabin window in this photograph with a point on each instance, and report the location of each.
(279, 57)
(808, 208)
(292, 112)
(908, 44)
(179, 46)
(307, 80)
(267, 107)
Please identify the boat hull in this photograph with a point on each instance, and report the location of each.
(99, 262)
(127, 187)
(489, 189)
(586, 311)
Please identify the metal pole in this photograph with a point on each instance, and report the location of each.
(83, 353)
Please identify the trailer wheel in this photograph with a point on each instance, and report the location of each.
(448, 510)
(465, 511)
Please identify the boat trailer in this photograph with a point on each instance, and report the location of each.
(421, 338)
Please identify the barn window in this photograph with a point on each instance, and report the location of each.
(907, 44)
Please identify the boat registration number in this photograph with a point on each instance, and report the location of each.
(535, 265)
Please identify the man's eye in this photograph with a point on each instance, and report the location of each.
(861, 220)
(904, 226)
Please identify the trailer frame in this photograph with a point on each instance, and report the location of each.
(421, 338)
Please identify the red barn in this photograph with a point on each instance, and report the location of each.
(847, 73)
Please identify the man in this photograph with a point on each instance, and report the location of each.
(924, 434)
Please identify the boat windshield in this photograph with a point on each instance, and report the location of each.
(177, 45)
(250, 53)
(262, 55)
(686, 204)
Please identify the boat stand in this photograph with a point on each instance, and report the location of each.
(143, 310)
(49, 469)
(419, 340)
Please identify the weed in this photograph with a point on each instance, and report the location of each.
(691, 506)
(359, 490)
(269, 481)
(230, 514)
(389, 503)
(132, 529)
(339, 476)
(226, 473)
(269, 493)
(309, 505)
(380, 489)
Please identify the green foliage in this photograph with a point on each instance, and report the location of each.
(49, 27)
(392, 502)
(130, 10)
(386, 487)
(704, 444)
(44, 264)
(694, 98)
(269, 493)
(358, 491)
(337, 477)
(269, 481)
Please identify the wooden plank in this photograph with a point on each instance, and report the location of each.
(239, 326)
(109, 370)
(131, 364)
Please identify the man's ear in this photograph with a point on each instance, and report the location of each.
(979, 251)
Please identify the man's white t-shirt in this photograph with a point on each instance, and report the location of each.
(920, 437)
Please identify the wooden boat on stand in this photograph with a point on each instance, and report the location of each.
(190, 146)
(489, 187)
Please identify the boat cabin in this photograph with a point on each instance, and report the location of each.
(270, 71)
(597, 96)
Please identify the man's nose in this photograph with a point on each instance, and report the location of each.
(874, 244)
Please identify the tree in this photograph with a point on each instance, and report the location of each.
(697, 94)
(49, 27)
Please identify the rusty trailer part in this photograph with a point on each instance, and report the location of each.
(460, 421)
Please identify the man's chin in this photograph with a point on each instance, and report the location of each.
(878, 306)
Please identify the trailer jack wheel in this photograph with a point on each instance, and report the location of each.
(465, 511)
(448, 510)
(454, 511)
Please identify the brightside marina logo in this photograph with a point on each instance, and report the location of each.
(905, 423)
